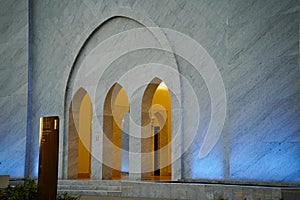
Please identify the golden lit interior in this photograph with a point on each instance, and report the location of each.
(84, 143)
(161, 104)
(156, 132)
(115, 108)
(120, 106)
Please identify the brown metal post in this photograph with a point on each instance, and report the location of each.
(48, 160)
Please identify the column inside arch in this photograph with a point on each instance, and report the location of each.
(73, 142)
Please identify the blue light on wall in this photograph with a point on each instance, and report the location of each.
(266, 161)
(125, 144)
(269, 149)
(36, 167)
(125, 162)
(12, 151)
(209, 167)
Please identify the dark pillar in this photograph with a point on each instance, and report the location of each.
(48, 160)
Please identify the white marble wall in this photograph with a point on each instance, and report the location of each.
(254, 44)
(264, 92)
(13, 81)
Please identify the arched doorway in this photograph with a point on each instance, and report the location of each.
(79, 137)
(156, 132)
(115, 138)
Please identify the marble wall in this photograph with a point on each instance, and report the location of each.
(254, 44)
(13, 81)
(263, 90)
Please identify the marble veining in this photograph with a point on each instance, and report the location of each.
(13, 81)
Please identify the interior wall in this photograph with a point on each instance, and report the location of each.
(84, 144)
(162, 97)
(14, 86)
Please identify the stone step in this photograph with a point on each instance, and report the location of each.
(89, 182)
(90, 187)
(90, 192)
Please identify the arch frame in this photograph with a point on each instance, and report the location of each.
(71, 86)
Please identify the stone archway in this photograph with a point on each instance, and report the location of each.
(156, 145)
(79, 136)
(116, 106)
(90, 70)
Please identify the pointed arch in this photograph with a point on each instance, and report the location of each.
(116, 105)
(75, 80)
(156, 132)
(79, 136)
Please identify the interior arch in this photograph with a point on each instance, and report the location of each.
(115, 144)
(79, 136)
(156, 132)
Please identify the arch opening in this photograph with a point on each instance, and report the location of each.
(115, 134)
(156, 132)
(79, 136)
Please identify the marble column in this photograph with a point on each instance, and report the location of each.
(107, 147)
(73, 143)
(135, 144)
(96, 149)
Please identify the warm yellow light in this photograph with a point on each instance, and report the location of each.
(41, 129)
(162, 86)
